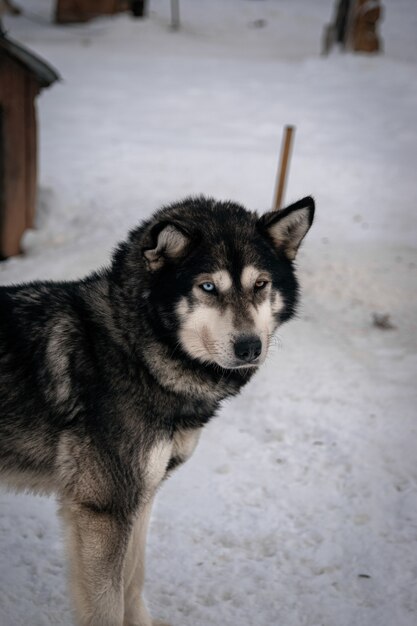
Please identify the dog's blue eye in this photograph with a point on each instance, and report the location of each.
(209, 287)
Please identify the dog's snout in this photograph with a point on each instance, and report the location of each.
(248, 349)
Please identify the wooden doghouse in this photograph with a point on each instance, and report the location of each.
(355, 26)
(68, 11)
(364, 33)
(22, 76)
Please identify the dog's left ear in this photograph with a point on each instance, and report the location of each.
(169, 243)
(287, 227)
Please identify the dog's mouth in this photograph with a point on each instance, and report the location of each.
(238, 365)
(241, 366)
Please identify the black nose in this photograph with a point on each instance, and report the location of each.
(248, 348)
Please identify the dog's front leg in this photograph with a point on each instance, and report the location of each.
(136, 613)
(97, 548)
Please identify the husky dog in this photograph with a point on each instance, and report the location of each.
(106, 382)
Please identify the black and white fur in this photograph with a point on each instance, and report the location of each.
(106, 383)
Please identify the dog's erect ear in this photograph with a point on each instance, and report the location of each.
(169, 243)
(288, 227)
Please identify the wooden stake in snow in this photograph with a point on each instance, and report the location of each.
(175, 14)
(283, 167)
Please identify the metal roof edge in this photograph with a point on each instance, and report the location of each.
(45, 74)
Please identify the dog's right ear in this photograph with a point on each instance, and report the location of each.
(287, 227)
(169, 244)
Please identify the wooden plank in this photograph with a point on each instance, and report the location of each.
(31, 150)
(67, 11)
(12, 82)
(283, 166)
(2, 164)
(175, 14)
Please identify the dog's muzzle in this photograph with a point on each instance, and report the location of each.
(247, 348)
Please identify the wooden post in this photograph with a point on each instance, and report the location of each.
(283, 167)
(175, 14)
(14, 157)
(32, 90)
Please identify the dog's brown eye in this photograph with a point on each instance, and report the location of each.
(260, 284)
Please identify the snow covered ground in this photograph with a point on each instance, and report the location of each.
(299, 507)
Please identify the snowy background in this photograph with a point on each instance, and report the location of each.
(299, 508)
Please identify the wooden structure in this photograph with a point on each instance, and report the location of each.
(69, 11)
(22, 76)
(363, 36)
(283, 167)
(355, 26)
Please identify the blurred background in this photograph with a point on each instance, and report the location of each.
(299, 508)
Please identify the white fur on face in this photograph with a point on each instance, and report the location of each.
(249, 277)
(277, 304)
(208, 332)
(222, 280)
(264, 322)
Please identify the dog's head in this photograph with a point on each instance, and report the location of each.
(220, 279)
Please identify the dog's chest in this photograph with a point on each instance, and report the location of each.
(166, 455)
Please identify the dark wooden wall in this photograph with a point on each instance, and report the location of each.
(18, 90)
(67, 11)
